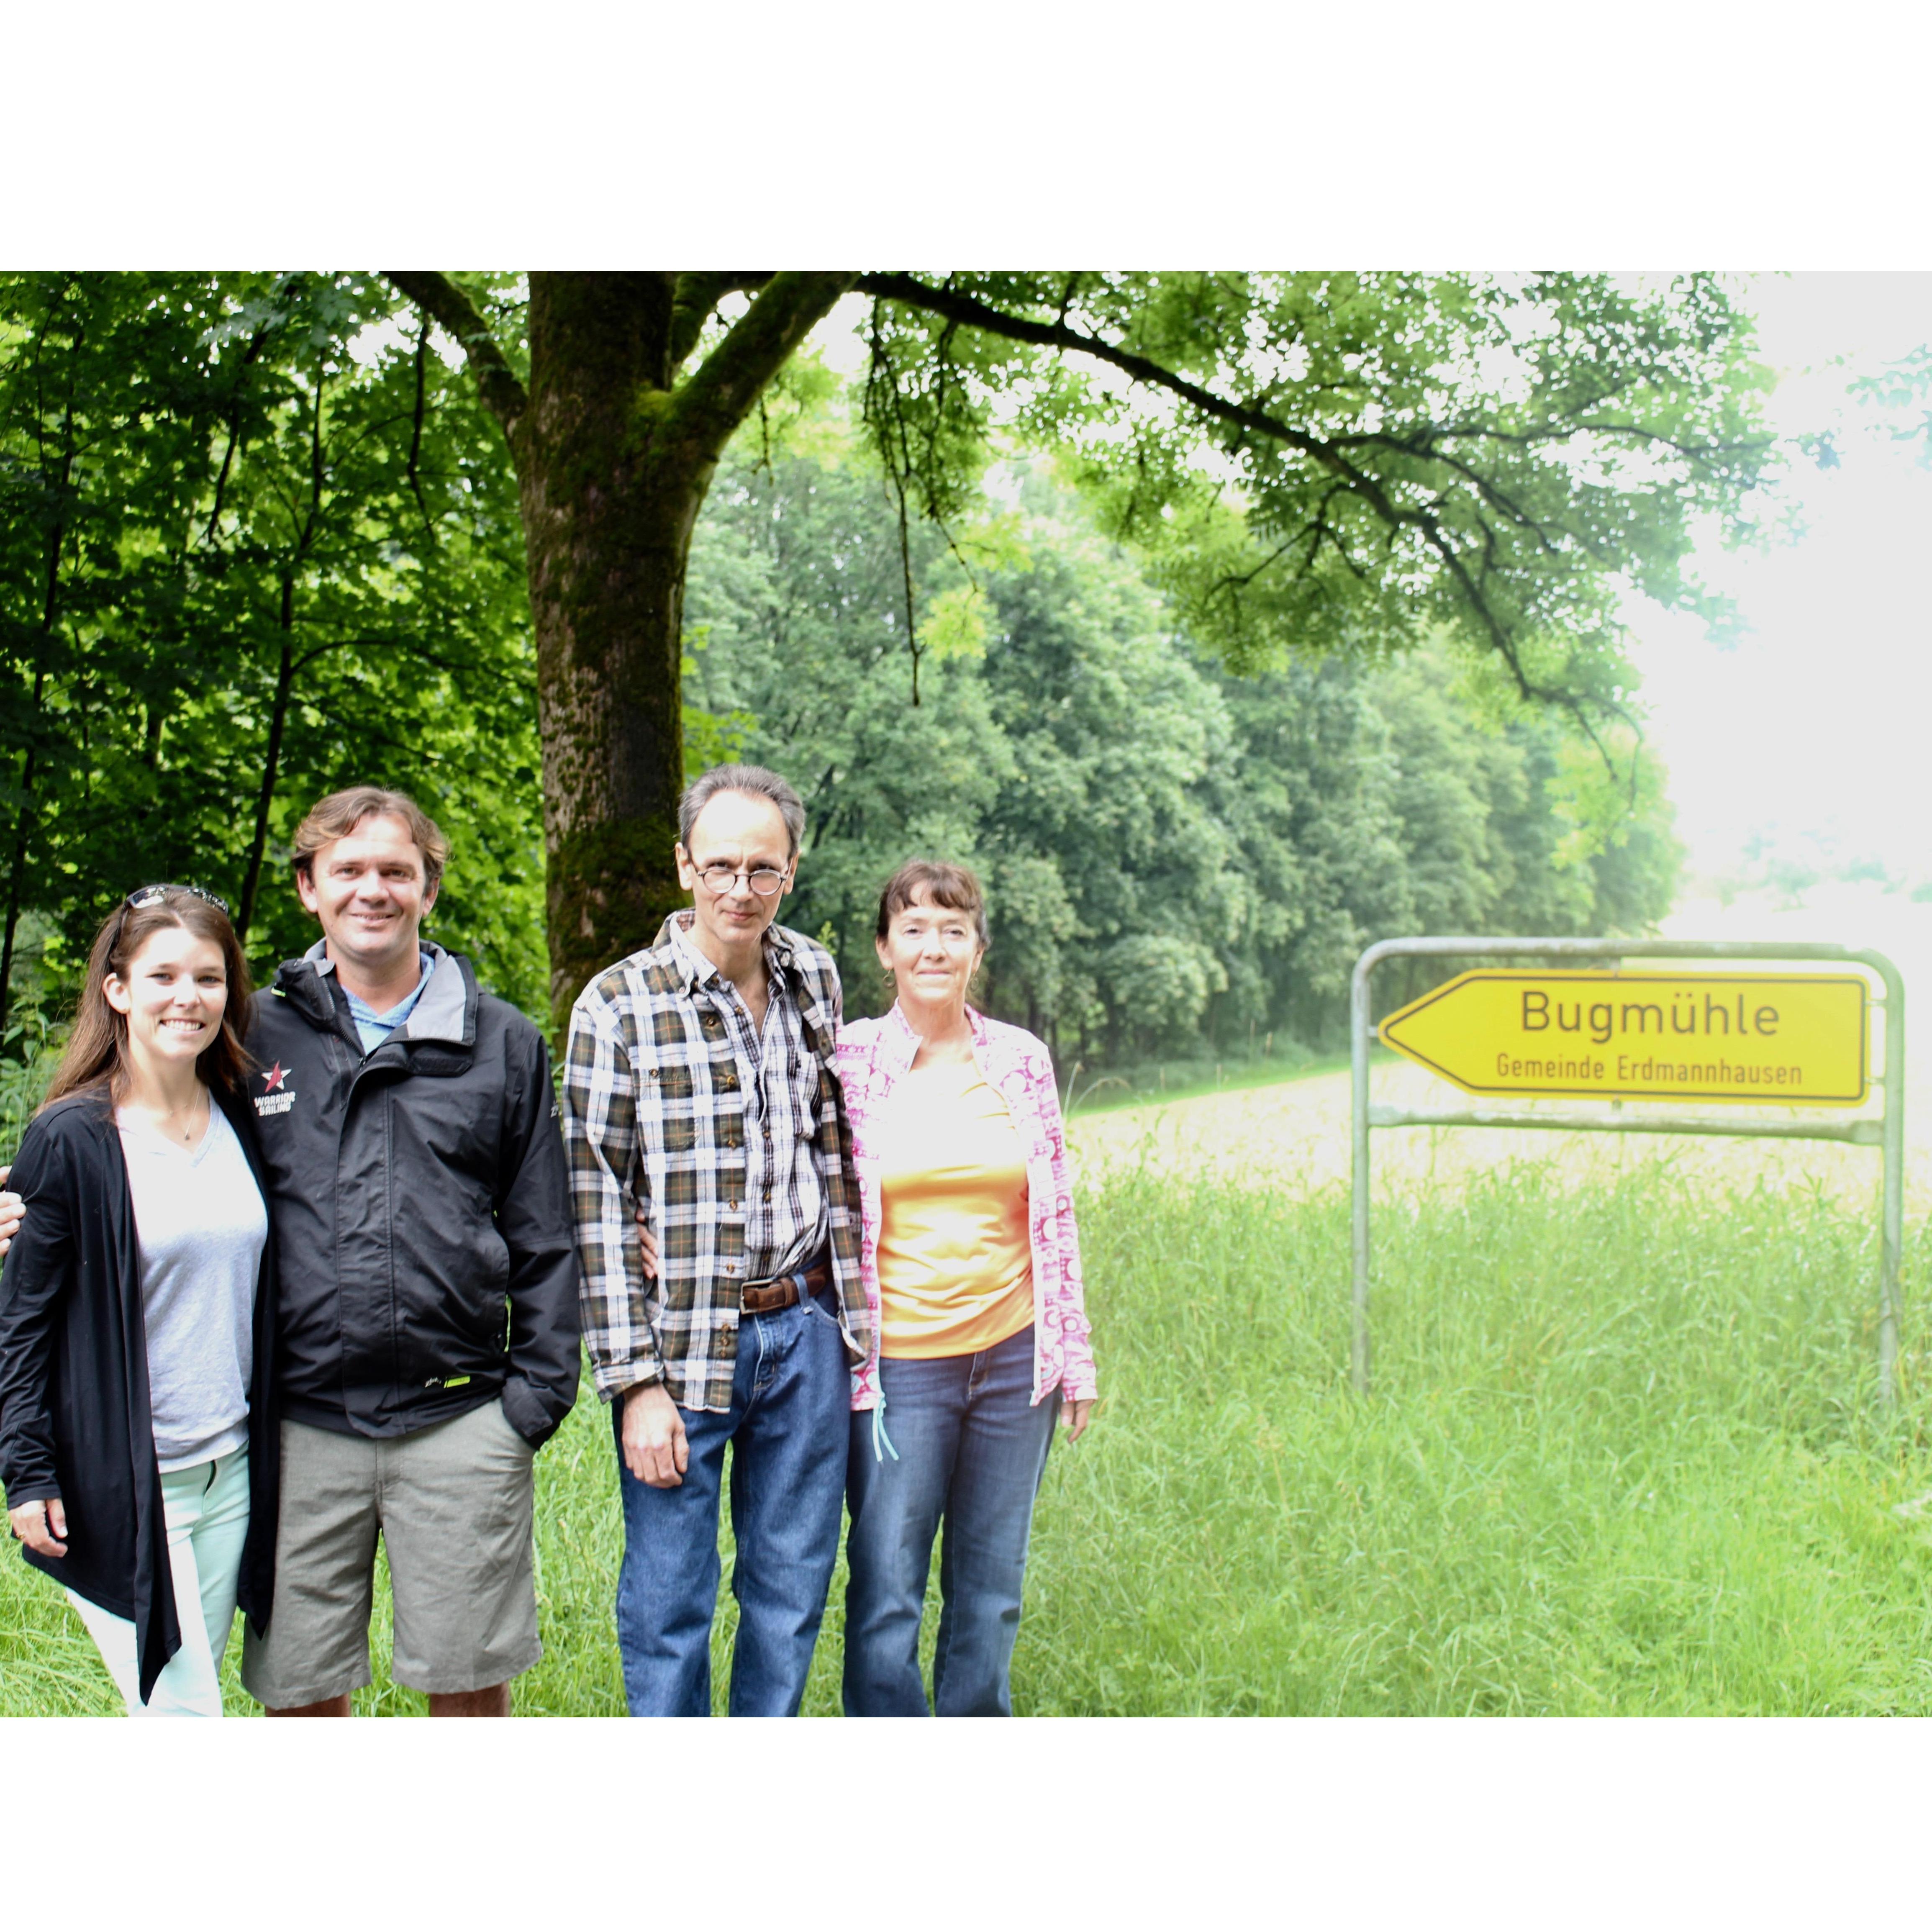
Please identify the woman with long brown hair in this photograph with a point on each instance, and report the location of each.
(136, 1311)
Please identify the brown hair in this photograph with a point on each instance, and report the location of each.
(954, 887)
(96, 1048)
(338, 814)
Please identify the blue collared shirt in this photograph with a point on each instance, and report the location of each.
(375, 1028)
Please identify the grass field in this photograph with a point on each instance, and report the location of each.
(1622, 1456)
(1107, 1090)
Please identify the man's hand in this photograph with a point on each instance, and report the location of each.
(654, 1449)
(41, 1526)
(11, 1213)
(1074, 1415)
(646, 1240)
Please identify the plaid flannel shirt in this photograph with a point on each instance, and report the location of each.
(654, 1115)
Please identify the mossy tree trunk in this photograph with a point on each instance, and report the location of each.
(614, 450)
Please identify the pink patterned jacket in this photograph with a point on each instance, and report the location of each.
(872, 1057)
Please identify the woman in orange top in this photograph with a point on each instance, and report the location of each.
(970, 1249)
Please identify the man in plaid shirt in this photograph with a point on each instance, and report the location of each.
(718, 1226)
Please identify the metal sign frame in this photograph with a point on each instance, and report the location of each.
(1887, 1132)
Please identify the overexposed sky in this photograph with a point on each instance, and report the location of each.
(1808, 734)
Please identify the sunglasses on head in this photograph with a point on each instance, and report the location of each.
(142, 897)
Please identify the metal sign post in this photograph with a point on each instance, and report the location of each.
(1800, 1038)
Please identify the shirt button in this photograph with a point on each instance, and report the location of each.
(731, 1267)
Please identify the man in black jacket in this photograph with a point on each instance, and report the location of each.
(428, 1324)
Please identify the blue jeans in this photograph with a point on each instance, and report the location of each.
(972, 1448)
(790, 1394)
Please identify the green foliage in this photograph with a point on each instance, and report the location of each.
(1903, 385)
(1176, 856)
(1343, 463)
(256, 541)
(29, 1054)
(254, 544)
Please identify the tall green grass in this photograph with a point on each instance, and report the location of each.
(1623, 1454)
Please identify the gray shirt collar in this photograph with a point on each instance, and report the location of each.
(438, 1013)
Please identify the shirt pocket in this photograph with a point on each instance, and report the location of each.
(677, 1108)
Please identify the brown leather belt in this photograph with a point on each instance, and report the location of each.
(762, 1298)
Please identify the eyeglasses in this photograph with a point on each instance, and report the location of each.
(142, 897)
(719, 879)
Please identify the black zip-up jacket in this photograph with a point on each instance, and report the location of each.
(75, 1421)
(422, 1208)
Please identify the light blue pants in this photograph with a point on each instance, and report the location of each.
(206, 1510)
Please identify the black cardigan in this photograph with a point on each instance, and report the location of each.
(74, 1416)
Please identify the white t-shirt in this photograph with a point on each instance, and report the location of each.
(202, 1225)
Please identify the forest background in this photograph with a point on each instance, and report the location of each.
(256, 541)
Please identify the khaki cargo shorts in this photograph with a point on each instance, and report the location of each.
(453, 1505)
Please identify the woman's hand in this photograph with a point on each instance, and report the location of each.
(11, 1213)
(1074, 1415)
(647, 1240)
(41, 1526)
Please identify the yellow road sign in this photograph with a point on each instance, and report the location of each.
(1788, 1039)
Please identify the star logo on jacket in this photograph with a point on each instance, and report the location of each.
(275, 1097)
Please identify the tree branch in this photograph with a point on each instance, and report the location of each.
(440, 299)
(968, 309)
(976, 314)
(956, 307)
(724, 386)
(253, 350)
(416, 428)
(693, 299)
